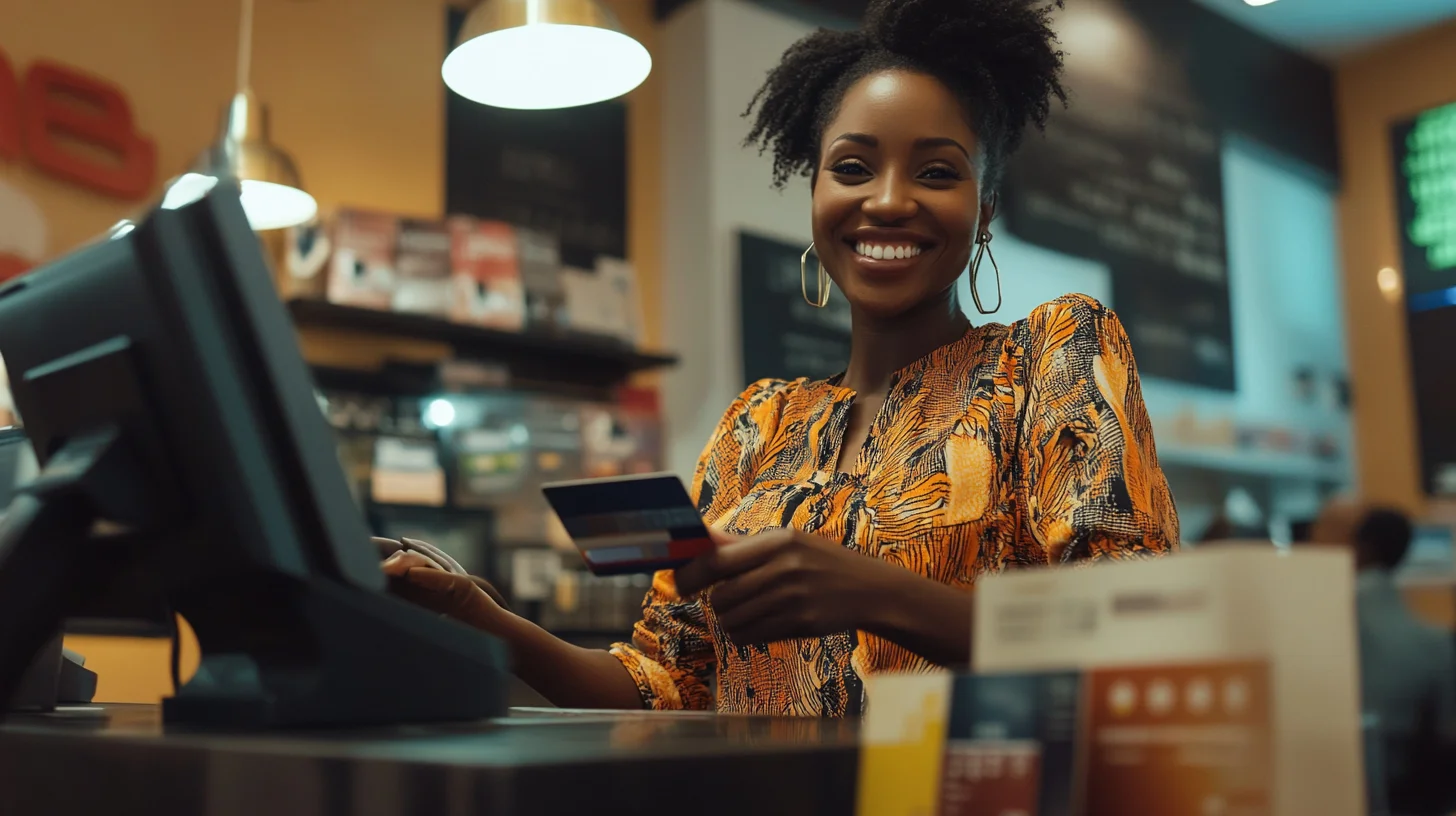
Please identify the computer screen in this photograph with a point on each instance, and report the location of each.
(180, 443)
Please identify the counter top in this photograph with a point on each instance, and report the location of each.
(118, 760)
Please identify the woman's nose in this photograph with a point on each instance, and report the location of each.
(891, 201)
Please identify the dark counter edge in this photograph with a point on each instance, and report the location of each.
(124, 775)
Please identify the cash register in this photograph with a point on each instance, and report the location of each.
(179, 446)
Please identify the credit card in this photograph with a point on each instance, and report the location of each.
(630, 524)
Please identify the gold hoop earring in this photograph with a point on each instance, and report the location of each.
(823, 280)
(983, 251)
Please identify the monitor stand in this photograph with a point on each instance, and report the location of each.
(53, 551)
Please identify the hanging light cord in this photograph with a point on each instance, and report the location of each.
(245, 46)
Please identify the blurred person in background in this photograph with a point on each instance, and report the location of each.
(1407, 671)
(855, 514)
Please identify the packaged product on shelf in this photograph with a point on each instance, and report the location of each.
(305, 257)
(362, 270)
(487, 288)
(423, 266)
(554, 429)
(489, 445)
(407, 471)
(591, 306)
(622, 437)
(554, 425)
(619, 283)
(533, 573)
(540, 259)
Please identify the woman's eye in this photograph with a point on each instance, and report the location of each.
(849, 168)
(940, 173)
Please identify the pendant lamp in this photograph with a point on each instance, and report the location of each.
(272, 194)
(542, 54)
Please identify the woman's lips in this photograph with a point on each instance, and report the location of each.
(886, 257)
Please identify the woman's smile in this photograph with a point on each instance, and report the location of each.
(881, 251)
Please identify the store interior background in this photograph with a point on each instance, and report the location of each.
(355, 95)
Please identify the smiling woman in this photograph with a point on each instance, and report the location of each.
(854, 515)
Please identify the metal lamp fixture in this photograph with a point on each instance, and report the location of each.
(272, 194)
(541, 54)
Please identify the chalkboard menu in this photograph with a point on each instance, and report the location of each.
(1425, 173)
(783, 336)
(563, 172)
(1135, 183)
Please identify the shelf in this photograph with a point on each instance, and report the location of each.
(1256, 463)
(565, 358)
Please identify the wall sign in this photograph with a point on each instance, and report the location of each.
(783, 336)
(74, 127)
(1138, 187)
(1425, 174)
(22, 232)
(43, 117)
(563, 172)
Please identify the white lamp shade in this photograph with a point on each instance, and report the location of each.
(268, 205)
(272, 194)
(543, 54)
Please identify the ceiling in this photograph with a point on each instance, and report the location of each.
(1329, 29)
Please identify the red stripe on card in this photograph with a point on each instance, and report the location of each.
(689, 547)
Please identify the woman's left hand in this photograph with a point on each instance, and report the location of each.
(786, 584)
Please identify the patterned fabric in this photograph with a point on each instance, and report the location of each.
(1026, 445)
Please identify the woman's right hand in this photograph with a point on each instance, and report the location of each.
(422, 581)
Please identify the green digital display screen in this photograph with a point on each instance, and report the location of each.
(1425, 172)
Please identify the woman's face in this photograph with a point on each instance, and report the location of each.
(897, 199)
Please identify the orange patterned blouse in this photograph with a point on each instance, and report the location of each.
(1021, 445)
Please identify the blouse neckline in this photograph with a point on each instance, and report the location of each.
(841, 392)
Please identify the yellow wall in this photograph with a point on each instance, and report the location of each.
(355, 95)
(1375, 90)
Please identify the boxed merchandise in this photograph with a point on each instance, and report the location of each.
(623, 437)
(1231, 604)
(407, 471)
(362, 270)
(487, 276)
(540, 261)
(589, 303)
(1176, 740)
(422, 268)
(619, 285)
(1216, 681)
(307, 250)
(553, 426)
(489, 441)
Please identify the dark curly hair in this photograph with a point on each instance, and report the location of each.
(998, 57)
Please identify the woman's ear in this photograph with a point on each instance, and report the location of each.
(988, 214)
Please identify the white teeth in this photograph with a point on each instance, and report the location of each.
(881, 252)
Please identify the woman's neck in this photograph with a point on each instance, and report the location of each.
(879, 347)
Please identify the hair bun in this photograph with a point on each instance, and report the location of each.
(998, 57)
(1006, 48)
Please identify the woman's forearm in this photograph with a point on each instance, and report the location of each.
(924, 616)
(567, 675)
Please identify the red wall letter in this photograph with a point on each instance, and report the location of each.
(104, 121)
(11, 266)
(9, 112)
